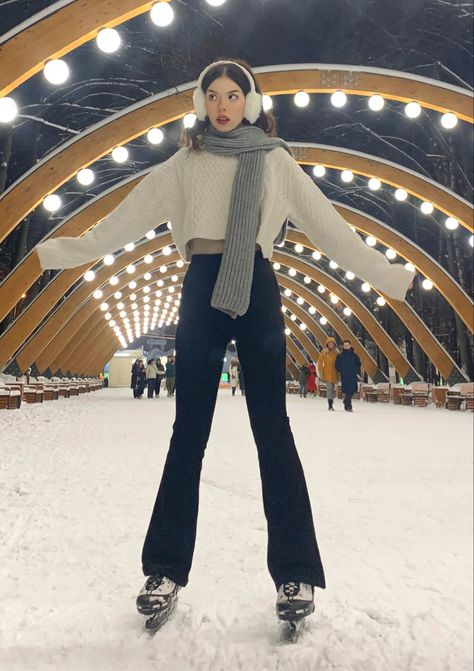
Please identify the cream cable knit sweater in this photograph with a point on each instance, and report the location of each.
(192, 189)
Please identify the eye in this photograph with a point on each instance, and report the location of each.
(211, 96)
(234, 96)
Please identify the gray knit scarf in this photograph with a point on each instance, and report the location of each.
(234, 281)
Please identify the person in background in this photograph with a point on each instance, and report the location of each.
(241, 379)
(151, 373)
(304, 375)
(141, 379)
(170, 375)
(134, 374)
(160, 370)
(348, 365)
(312, 379)
(234, 375)
(327, 370)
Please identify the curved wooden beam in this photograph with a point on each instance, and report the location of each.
(451, 291)
(87, 332)
(368, 363)
(291, 368)
(364, 81)
(77, 344)
(13, 337)
(62, 164)
(388, 172)
(420, 332)
(54, 32)
(95, 325)
(295, 352)
(61, 317)
(36, 312)
(379, 335)
(105, 345)
(26, 273)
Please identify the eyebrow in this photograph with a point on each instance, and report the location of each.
(233, 91)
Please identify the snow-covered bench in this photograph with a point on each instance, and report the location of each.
(10, 398)
(383, 392)
(459, 394)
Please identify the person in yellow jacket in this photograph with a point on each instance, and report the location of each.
(327, 370)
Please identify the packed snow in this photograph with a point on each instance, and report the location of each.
(391, 489)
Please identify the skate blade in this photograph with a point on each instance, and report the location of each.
(159, 618)
(295, 613)
(154, 623)
(292, 631)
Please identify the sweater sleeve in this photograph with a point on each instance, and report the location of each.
(314, 214)
(151, 202)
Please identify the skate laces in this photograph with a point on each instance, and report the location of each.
(291, 588)
(154, 581)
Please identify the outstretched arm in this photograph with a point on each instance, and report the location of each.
(313, 213)
(151, 202)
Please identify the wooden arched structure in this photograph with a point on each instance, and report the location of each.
(23, 276)
(55, 31)
(35, 313)
(73, 312)
(62, 164)
(82, 343)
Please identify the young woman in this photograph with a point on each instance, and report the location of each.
(151, 375)
(234, 375)
(228, 192)
(160, 369)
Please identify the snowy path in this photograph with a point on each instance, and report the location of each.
(391, 490)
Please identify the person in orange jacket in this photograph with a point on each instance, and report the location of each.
(327, 370)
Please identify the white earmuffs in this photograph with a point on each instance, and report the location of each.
(253, 100)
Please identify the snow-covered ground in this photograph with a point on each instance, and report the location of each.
(391, 489)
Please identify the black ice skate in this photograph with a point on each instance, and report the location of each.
(295, 601)
(158, 598)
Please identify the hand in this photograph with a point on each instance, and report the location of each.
(412, 282)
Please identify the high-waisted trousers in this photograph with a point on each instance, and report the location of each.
(202, 336)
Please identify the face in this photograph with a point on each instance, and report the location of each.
(346, 345)
(331, 345)
(225, 104)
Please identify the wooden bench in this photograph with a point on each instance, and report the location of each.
(10, 398)
(33, 394)
(4, 398)
(438, 396)
(396, 392)
(421, 392)
(383, 392)
(292, 387)
(323, 390)
(461, 394)
(364, 389)
(371, 395)
(406, 397)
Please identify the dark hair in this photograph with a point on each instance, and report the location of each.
(192, 137)
(346, 341)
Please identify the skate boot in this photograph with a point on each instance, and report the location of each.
(158, 598)
(295, 601)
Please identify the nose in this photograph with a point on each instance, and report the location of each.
(221, 106)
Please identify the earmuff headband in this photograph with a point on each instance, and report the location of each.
(253, 100)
